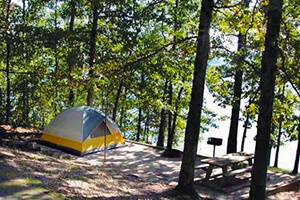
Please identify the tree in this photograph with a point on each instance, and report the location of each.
(267, 84)
(186, 176)
(163, 121)
(8, 51)
(238, 80)
(71, 53)
(296, 165)
(92, 53)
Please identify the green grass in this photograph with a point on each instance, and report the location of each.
(278, 170)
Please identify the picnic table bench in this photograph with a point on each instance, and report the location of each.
(225, 162)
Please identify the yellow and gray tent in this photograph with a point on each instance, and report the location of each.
(82, 130)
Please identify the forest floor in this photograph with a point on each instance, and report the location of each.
(132, 171)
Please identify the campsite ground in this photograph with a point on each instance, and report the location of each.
(133, 171)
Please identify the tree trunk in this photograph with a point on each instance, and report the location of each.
(279, 132)
(170, 140)
(245, 132)
(175, 115)
(92, 55)
(163, 121)
(296, 165)
(186, 176)
(170, 135)
(8, 102)
(270, 144)
(234, 122)
(114, 115)
(267, 84)
(138, 133)
(278, 142)
(23, 32)
(1, 107)
(56, 63)
(233, 131)
(122, 115)
(70, 58)
(145, 132)
(247, 120)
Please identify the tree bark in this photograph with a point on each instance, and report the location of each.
(267, 84)
(296, 164)
(70, 58)
(278, 143)
(175, 115)
(56, 63)
(279, 132)
(170, 133)
(146, 128)
(247, 120)
(186, 176)
(114, 115)
(270, 144)
(1, 107)
(245, 132)
(8, 102)
(234, 122)
(170, 140)
(92, 56)
(138, 133)
(163, 121)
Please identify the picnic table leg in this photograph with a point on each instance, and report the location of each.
(208, 173)
(249, 161)
(224, 178)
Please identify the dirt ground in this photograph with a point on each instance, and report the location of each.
(132, 171)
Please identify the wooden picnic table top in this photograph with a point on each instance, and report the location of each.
(228, 159)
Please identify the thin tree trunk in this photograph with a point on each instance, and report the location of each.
(1, 107)
(296, 164)
(267, 84)
(279, 132)
(278, 142)
(8, 102)
(138, 133)
(24, 94)
(186, 176)
(234, 122)
(270, 144)
(123, 111)
(56, 62)
(245, 132)
(70, 58)
(170, 134)
(163, 121)
(247, 120)
(23, 32)
(145, 132)
(92, 53)
(170, 141)
(175, 115)
(117, 100)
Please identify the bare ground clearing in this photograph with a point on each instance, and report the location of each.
(133, 171)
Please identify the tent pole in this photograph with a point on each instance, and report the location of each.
(105, 104)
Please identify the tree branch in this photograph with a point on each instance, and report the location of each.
(287, 75)
(147, 56)
(13, 72)
(243, 59)
(226, 7)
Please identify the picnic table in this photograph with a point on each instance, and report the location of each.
(225, 162)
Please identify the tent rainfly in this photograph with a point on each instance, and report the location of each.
(81, 130)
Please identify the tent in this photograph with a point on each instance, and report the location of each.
(81, 130)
